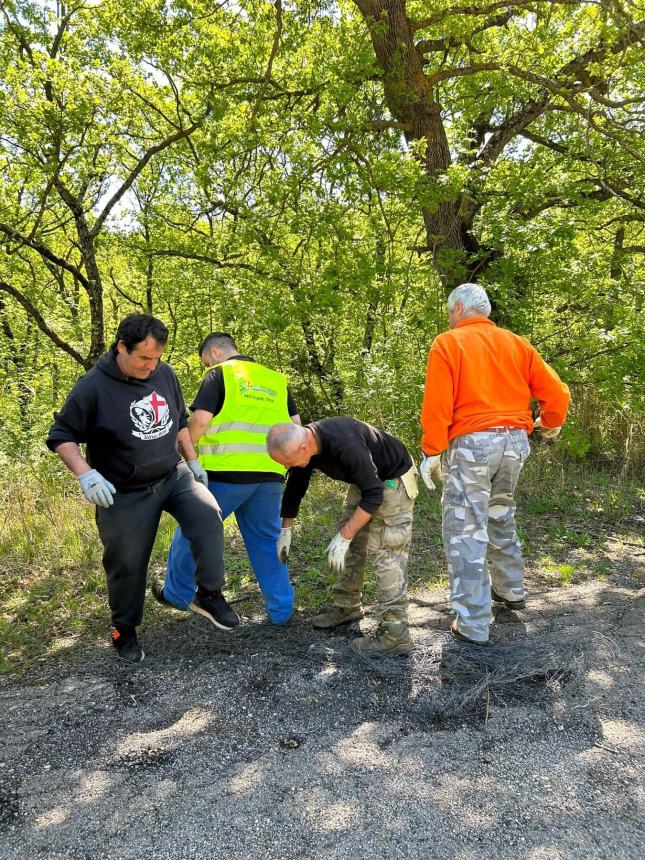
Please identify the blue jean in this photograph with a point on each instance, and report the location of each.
(257, 511)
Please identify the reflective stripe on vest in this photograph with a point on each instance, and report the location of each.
(231, 448)
(255, 398)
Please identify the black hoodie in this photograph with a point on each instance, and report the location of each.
(130, 425)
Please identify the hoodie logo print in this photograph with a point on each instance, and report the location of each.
(151, 417)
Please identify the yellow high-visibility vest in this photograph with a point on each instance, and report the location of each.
(255, 398)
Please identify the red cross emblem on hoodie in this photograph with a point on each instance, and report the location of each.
(156, 402)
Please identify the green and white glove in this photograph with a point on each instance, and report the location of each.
(284, 545)
(546, 432)
(336, 552)
(431, 467)
(198, 471)
(96, 489)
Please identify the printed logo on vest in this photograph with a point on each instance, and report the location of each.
(151, 417)
(246, 387)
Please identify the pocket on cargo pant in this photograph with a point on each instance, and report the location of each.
(397, 530)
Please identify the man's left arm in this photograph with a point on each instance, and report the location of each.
(187, 449)
(359, 466)
(184, 440)
(185, 445)
(361, 470)
(552, 394)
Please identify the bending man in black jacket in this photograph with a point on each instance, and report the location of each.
(376, 517)
(130, 413)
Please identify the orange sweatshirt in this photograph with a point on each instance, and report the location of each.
(481, 376)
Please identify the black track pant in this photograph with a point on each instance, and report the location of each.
(128, 529)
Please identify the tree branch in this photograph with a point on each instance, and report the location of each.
(122, 293)
(44, 251)
(139, 167)
(429, 46)
(383, 124)
(478, 11)
(214, 261)
(272, 56)
(460, 71)
(38, 318)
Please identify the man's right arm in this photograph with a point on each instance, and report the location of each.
(295, 489)
(71, 426)
(208, 402)
(438, 402)
(293, 409)
(197, 424)
(70, 454)
(72, 423)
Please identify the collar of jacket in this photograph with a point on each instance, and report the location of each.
(474, 321)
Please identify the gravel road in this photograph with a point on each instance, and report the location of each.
(280, 743)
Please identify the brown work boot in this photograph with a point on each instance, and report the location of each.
(391, 638)
(337, 615)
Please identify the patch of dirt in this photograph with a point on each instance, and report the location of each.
(284, 742)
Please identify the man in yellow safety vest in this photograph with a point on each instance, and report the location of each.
(237, 402)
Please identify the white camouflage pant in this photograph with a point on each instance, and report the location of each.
(480, 473)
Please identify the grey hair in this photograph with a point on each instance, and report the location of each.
(284, 437)
(473, 297)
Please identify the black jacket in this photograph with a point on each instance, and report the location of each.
(353, 452)
(130, 425)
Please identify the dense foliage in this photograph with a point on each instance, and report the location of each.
(312, 176)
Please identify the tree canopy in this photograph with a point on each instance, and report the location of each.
(314, 176)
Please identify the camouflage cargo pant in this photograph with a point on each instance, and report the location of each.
(480, 473)
(387, 540)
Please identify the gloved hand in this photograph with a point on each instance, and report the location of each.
(284, 545)
(546, 432)
(198, 471)
(429, 467)
(96, 489)
(336, 552)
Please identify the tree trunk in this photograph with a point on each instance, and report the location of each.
(412, 102)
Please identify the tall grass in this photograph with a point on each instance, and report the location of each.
(52, 588)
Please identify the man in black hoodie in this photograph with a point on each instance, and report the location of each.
(129, 412)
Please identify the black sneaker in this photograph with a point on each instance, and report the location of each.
(127, 647)
(212, 605)
(156, 587)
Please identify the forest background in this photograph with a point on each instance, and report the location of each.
(313, 177)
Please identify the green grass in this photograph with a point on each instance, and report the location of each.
(52, 588)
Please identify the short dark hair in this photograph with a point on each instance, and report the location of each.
(219, 340)
(135, 328)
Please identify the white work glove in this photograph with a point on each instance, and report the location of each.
(198, 471)
(429, 467)
(96, 489)
(546, 432)
(336, 552)
(284, 545)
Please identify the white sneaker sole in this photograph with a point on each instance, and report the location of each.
(199, 611)
(132, 662)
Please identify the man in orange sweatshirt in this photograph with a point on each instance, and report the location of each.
(480, 381)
